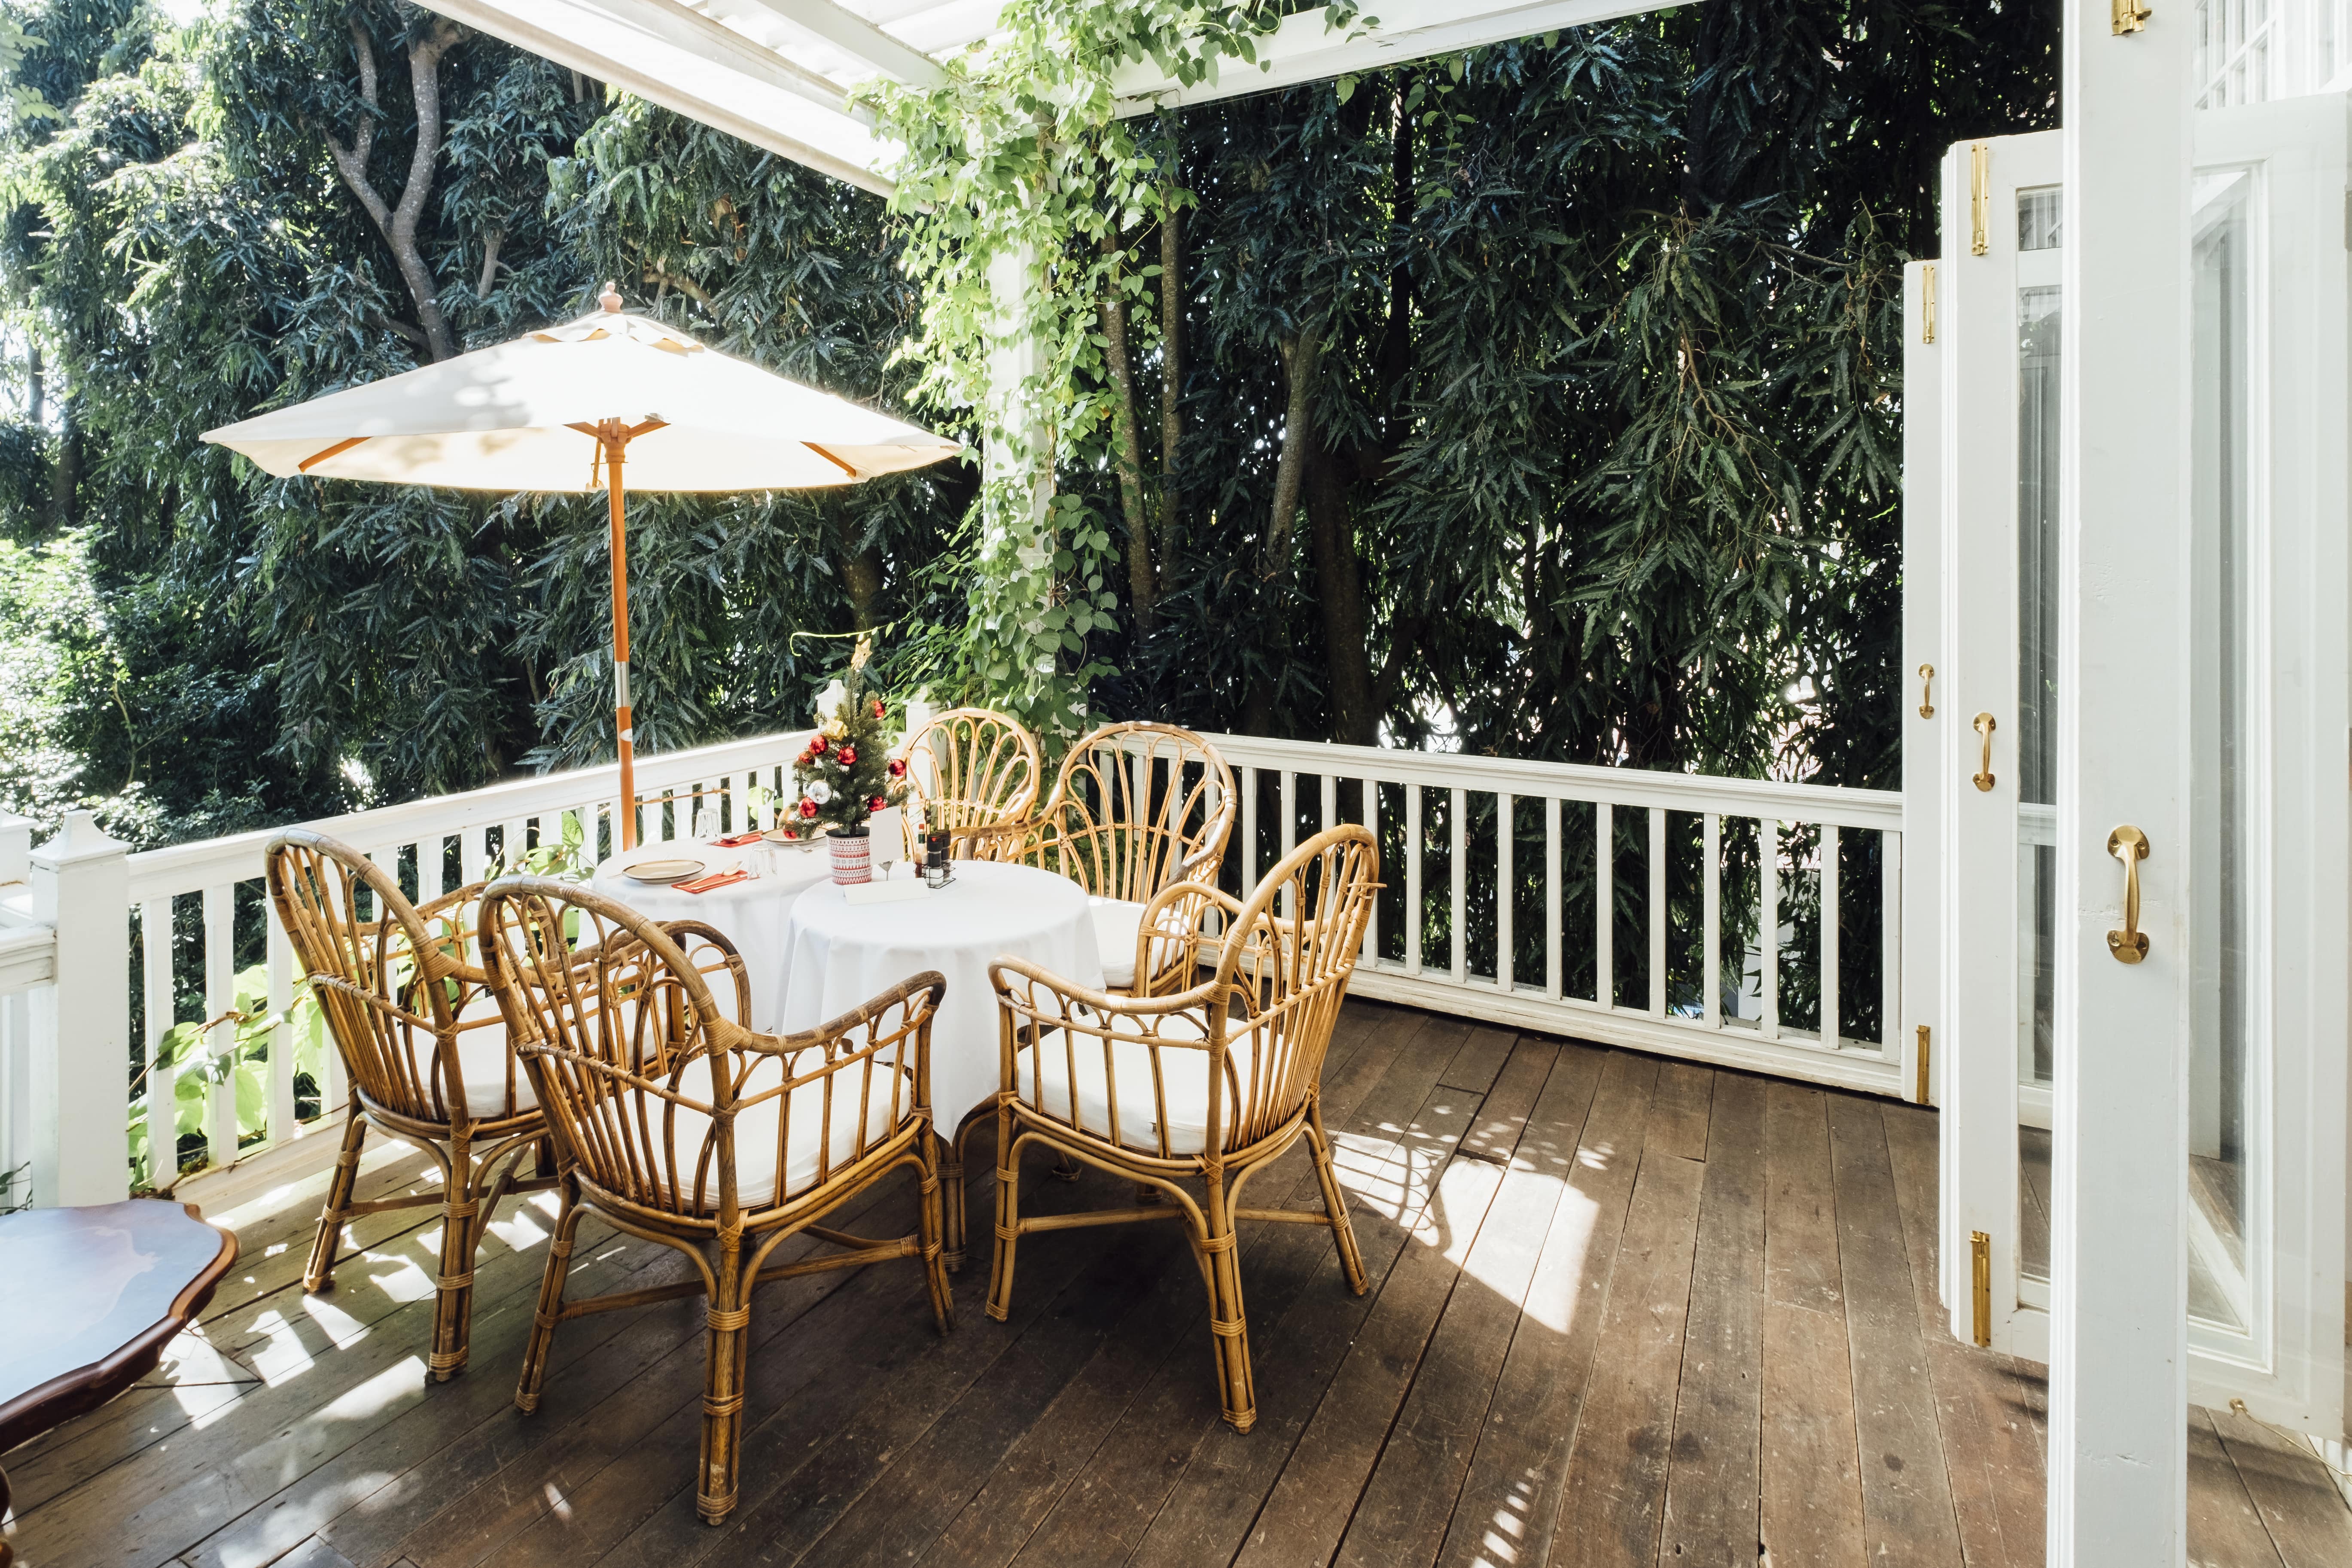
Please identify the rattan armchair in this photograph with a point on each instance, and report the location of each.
(970, 771)
(1192, 1090)
(677, 1124)
(424, 1049)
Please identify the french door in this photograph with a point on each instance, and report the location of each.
(2256, 896)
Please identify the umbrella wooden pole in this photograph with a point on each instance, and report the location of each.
(623, 720)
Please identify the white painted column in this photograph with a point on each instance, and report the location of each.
(2118, 1332)
(81, 1057)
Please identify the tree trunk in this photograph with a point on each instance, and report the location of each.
(1302, 363)
(1128, 438)
(398, 225)
(1339, 590)
(861, 578)
(1172, 387)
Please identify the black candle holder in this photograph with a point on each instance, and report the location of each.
(939, 850)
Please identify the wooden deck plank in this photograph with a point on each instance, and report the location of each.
(1811, 1511)
(1481, 1055)
(1678, 1120)
(1714, 1480)
(2225, 1529)
(1407, 1504)
(1989, 1408)
(2300, 1507)
(1801, 1256)
(1614, 1498)
(1906, 1495)
(1511, 1498)
(1173, 1483)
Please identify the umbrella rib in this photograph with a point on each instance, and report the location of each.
(829, 457)
(315, 458)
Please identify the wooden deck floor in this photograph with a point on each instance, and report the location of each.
(1624, 1312)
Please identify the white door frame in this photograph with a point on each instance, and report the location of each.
(1925, 689)
(2118, 1309)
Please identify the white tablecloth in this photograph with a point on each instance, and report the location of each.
(754, 915)
(843, 954)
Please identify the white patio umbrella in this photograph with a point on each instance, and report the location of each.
(561, 409)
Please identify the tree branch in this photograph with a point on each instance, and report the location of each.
(1127, 442)
(397, 226)
(1302, 363)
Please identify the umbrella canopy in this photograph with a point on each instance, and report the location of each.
(525, 416)
(566, 409)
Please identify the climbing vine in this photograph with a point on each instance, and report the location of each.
(1022, 189)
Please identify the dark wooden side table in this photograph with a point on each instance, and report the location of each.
(89, 1299)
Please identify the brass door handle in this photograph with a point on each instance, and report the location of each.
(2128, 845)
(1985, 727)
(1926, 693)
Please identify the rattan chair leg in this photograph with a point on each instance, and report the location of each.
(320, 1274)
(729, 1314)
(1008, 1219)
(1334, 1202)
(550, 1300)
(928, 1227)
(1228, 1322)
(951, 1199)
(453, 1296)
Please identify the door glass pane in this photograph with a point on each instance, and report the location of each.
(2038, 239)
(2225, 1050)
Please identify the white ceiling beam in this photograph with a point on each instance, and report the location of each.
(1305, 49)
(859, 38)
(684, 61)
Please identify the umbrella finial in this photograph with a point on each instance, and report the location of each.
(610, 298)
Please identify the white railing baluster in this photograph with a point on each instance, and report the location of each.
(163, 1077)
(1413, 878)
(1290, 839)
(1458, 863)
(220, 1046)
(1330, 817)
(1768, 923)
(1711, 923)
(1249, 831)
(1829, 881)
(1657, 912)
(1551, 897)
(473, 855)
(283, 1121)
(1890, 945)
(1505, 889)
(1604, 905)
(1372, 801)
(512, 842)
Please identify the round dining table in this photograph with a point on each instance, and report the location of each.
(754, 914)
(841, 954)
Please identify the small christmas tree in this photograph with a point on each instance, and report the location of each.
(848, 773)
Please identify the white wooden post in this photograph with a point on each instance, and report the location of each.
(2119, 1175)
(1926, 693)
(16, 1135)
(81, 1057)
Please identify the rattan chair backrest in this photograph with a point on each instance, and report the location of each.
(650, 1081)
(399, 986)
(1135, 808)
(969, 767)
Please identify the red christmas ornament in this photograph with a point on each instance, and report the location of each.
(878, 709)
(817, 747)
(897, 767)
(873, 804)
(848, 756)
(808, 809)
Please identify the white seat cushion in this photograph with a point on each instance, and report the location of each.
(755, 1128)
(1115, 923)
(482, 1058)
(1045, 1081)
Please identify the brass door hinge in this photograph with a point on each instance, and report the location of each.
(1980, 196)
(1980, 1269)
(1928, 302)
(1922, 1098)
(2126, 16)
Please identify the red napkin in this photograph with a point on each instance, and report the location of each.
(712, 881)
(735, 841)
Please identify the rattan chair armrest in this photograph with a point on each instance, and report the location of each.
(742, 1039)
(1106, 1003)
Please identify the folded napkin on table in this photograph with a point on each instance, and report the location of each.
(710, 881)
(735, 841)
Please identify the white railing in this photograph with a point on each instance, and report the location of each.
(1608, 904)
(1501, 901)
(28, 970)
(196, 906)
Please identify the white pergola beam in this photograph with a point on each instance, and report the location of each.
(682, 60)
(1305, 48)
(859, 38)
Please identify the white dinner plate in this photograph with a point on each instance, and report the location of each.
(661, 873)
